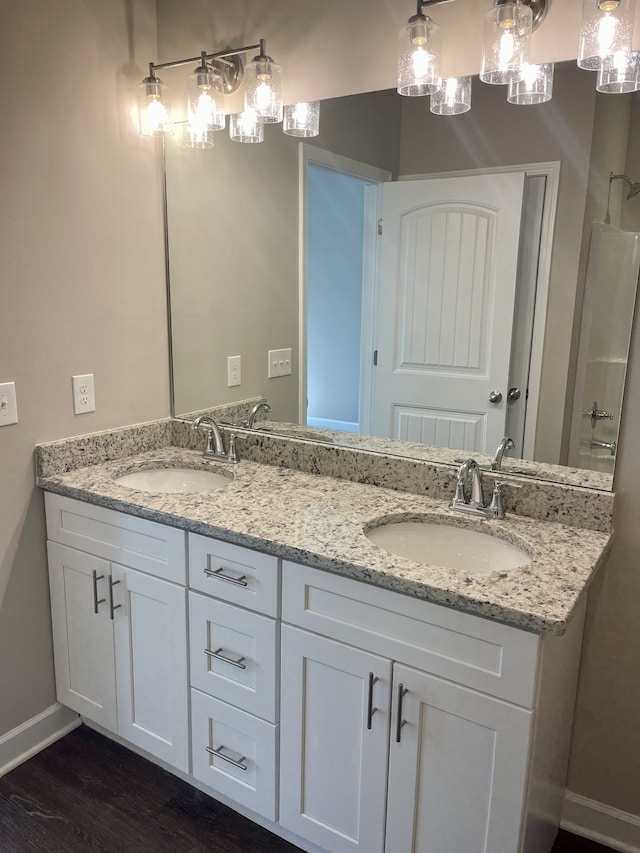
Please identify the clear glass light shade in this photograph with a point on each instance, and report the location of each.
(419, 57)
(535, 87)
(453, 97)
(302, 119)
(154, 108)
(263, 89)
(619, 73)
(246, 127)
(506, 40)
(606, 30)
(205, 107)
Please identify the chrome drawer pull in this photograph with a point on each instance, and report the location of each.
(96, 600)
(400, 722)
(112, 607)
(370, 709)
(237, 662)
(219, 754)
(219, 573)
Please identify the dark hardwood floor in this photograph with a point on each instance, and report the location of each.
(86, 794)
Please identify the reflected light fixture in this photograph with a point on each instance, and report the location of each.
(247, 127)
(263, 87)
(506, 39)
(606, 31)
(302, 120)
(205, 105)
(619, 73)
(453, 97)
(419, 54)
(534, 87)
(154, 108)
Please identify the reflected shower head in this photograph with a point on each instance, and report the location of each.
(634, 189)
(634, 186)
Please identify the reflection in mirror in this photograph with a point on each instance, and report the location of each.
(505, 236)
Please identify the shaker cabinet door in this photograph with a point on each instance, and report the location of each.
(150, 630)
(82, 634)
(457, 768)
(334, 724)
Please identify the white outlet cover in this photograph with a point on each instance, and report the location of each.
(8, 405)
(84, 398)
(234, 370)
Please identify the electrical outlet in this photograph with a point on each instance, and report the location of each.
(8, 406)
(84, 398)
(279, 363)
(234, 370)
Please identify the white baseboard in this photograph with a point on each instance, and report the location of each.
(599, 822)
(35, 734)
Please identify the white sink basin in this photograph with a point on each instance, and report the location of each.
(449, 546)
(174, 480)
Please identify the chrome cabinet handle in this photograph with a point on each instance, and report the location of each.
(220, 575)
(400, 722)
(219, 754)
(495, 397)
(96, 600)
(112, 607)
(233, 662)
(370, 709)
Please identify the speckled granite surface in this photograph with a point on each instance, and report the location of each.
(324, 523)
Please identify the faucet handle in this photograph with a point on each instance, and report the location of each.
(232, 455)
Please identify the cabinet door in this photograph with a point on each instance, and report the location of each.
(82, 637)
(333, 767)
(457, 777)
(150, 631)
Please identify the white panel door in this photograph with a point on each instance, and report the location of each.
(150, 631)
(82, 634)
(444, 309)
(333, 767)
(457, 775)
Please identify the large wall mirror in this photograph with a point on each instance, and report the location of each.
(277, 245)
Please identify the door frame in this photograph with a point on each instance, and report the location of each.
(311, 155)
(551, 171)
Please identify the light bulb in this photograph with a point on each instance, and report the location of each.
(507, 35)
(263, 89)
(154, 109)
(606, 30)
(419, 57)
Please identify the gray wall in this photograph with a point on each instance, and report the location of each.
(82, 279)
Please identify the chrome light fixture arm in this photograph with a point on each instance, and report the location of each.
(227, 62)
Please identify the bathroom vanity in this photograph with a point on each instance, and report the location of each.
(254, 642)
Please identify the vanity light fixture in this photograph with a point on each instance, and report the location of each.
(506, 41)
(263, 87)
(606, 31)
(302, 120)
(453, 97)
(419, 53)
(535, 86)
(216, 74)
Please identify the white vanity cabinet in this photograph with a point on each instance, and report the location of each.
(398, 712)
(234, 652)
(118, 603)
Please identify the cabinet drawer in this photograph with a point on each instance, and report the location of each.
(234, 655)
(146, 545)
(233, 573)
(488, 656)
(247, 773)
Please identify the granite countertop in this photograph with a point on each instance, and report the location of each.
(320, 521)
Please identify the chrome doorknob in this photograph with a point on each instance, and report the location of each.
(513, 394)
(495, 397)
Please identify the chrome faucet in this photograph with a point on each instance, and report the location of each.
(472, 501)
(263, 406)
(505, 444)
(215, 445)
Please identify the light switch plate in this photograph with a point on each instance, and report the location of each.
(279, 363)
(8, 405)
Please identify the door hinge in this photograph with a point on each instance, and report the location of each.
(379, 226)
(375, 358)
